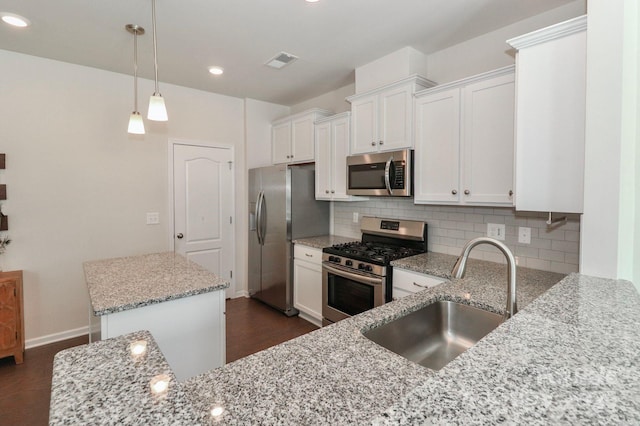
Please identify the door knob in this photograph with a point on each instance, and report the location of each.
(180, 236)
(467, 192)
(454, 192)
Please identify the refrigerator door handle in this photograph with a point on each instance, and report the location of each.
(259, 218)
(263, 218)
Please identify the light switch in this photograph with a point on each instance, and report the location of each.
(153, 218)
(496, 230)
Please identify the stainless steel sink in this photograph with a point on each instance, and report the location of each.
(436, 334)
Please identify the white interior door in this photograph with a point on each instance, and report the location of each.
(203, 207)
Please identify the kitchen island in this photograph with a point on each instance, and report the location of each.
(569, 356)
(180, 302)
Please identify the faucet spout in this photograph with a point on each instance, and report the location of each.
(461, 264)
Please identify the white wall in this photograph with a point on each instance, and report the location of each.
(79, 186)
(331, 101)
(490, 51)
(611, 162)
(258, 118)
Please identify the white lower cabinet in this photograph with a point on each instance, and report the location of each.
(405, 282)
(307, 283)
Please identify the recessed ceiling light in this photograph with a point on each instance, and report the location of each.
(312, 1)
(15, 20)
(216, 70)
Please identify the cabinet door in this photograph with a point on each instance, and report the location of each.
(396, 116)
(488, 141)
(340, 129)
(281, 142)
(437, 148)
(307, 288)
(324, 164)
(8, 315)
(551, 125)
(364, 125)
(302, 146)
(408, 282)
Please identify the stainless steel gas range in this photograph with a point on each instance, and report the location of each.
(358, 276)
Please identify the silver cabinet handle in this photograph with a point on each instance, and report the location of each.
(381, 143)
(373, 143)
(419, 285)
(180, 236)
(510, 192)
(467, 192)
(454, 192)
(326, 191)
(308, 255)
(333, 192)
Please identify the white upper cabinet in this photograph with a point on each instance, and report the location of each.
(332, 149)
(550, 112)
(464, 133)
(381, 120)
(292, 138)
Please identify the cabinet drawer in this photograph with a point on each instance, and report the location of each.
(309, 254)
(412, 282)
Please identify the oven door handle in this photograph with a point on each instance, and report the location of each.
(387, 174)
(355, 277)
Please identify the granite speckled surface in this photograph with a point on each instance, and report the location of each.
(101, 383)
(570, 356)
(131, 282)
(323, 241)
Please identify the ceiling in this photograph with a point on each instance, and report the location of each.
(331, 37)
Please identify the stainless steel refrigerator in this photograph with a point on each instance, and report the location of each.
(282, 208)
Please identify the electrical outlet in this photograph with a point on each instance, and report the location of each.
(524, 235)
(356, 217)
(496, 230)
(153, 218)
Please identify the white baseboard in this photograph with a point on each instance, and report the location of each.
(56, 337)
(241, 293)
(313, 320)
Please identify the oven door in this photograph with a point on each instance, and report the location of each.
(346, 293)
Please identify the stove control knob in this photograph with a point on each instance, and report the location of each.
(348, 263)
(336, 259)
(368, 268)
(361, 266)
(332, 258)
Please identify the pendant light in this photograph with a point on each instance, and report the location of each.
(157, 109)
(136, 125)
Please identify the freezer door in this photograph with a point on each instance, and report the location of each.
(255, 249)
(274, 235)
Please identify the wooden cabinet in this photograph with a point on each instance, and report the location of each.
(405, 282)
(550, 112)
(332, 149)
(11, 316)
(381, 120)
(307, 283)
(292, 138)
(464, 133)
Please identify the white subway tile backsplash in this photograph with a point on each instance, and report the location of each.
(450, 227)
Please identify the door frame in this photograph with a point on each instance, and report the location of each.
(171, 213)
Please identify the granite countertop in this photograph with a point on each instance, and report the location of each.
(115, 386)
(569, 356)
(323, 241)
(131, 282)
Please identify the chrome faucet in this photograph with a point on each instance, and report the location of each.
(461, 265)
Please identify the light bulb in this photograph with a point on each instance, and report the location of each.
(136, 125)
(157, 110)
(160, 384)
(216, 70)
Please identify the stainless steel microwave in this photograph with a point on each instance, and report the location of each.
(384, 174)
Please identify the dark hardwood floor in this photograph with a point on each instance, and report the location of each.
(25, 389)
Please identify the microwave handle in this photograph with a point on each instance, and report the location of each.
(387, 174)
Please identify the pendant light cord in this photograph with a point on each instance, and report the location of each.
(135, 70)
(155, 43)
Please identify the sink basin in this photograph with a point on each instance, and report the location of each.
(436, 334)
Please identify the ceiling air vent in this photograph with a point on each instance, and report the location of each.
(280, 60)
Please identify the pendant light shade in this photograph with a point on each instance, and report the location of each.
(136, 125)
(157, 109)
